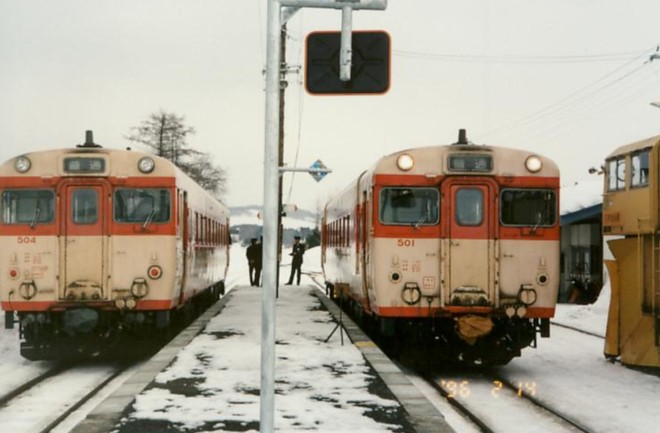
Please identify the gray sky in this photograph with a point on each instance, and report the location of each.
(566, 78)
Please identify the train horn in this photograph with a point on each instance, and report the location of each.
(462, 137)
(89, 140)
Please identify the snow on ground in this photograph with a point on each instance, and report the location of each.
(14, 369)
(214, 382)
(591, 318)
(568, 370)
(319, 386)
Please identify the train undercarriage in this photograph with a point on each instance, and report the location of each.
(443, 340)
(83, 332)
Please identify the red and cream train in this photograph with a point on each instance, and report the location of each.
(99, 243)
(453, 247)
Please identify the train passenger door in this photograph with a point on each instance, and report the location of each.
(84, 242)
(362, 246)
(183, 244)
(471, 247)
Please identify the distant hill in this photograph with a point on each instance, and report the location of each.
(246, 223)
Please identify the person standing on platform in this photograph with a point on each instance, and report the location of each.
(251, 254)
(297, 252)
(258, 261)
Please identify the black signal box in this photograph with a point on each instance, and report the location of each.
(370, 64)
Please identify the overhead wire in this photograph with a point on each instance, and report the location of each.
(300, 108)
(601, 107)
(562, 107)
(463, 58)
(595, 108)
(568, 108)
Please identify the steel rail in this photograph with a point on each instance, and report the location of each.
(6, 398)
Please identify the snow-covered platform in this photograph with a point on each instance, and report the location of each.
(208, 378)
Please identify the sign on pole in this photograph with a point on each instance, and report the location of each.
(318, 170)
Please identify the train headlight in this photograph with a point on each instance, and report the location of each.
(533, 163)
(146, 164)
(405, 162)
(139, 288)
(527, 295)
(22, 164)
(410, 294)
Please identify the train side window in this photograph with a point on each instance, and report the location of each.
(528, 207)
(84, 206)
(28, 206)
(136, 205)
(469, 207)
(409, 206)
(616, 174)
(191, 226)
(639, 169)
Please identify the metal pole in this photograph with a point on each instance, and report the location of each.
(346, 51)
(280, 155)
(271, 190)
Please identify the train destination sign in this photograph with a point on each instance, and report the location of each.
(84, 165)
(461, 162)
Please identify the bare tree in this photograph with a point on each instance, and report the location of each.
(209, 176)
(166, 135)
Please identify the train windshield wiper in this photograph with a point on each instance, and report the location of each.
(425, 218)
(539, 219)
(35, 218)
(421, 221)
(149, 218)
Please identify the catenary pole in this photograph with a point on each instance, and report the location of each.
(278, 12)
(280, 153)
(271, 193)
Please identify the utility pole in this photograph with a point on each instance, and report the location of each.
(280, 158)
(279, 11)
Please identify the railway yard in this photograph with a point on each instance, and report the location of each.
(207, 380)
(485, 257)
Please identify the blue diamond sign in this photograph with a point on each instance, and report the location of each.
(318, 170)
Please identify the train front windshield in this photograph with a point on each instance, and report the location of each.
(137, 205)
(409, 206)
(28, 206)
(528, 207)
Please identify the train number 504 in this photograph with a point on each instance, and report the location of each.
(26, 240)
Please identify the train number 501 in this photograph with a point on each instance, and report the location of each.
(405, 243)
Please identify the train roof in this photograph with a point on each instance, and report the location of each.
(433, 159)
(88, 161)
(120, 162)
(637, 145)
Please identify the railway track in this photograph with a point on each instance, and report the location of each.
(45, 402)
(8, 396)
(495, 405)
(576, 329)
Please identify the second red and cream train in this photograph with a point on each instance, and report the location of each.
(452, 247)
